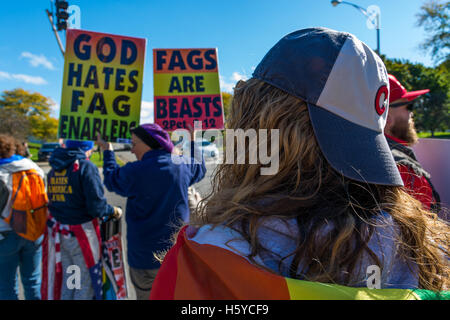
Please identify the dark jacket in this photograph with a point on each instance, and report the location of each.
(157, 192)
(75, 189)
(404, 156)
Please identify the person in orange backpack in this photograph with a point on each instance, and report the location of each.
(23, 214)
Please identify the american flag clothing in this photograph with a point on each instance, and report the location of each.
(114, 280)
(89, 240)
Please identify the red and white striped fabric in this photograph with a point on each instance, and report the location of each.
(88, 236)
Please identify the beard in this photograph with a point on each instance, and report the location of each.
(406, 131)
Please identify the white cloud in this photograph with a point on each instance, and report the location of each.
(23, 78)
(227, 84)
(4, 75)
(237, 76)
(37, 60)
(29, 79)
(146, 112)
(55, 109)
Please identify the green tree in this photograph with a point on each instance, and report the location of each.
(14, 124)
(432, 111)
(32, 108)
(434, 18)
(44, 127)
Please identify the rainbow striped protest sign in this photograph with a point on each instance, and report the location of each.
(186, 88)
(102, 85)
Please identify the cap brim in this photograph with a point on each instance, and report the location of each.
(356, 152)
(414, 94)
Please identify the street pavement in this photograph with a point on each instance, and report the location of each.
(203, 187)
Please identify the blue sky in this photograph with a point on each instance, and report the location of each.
(243, 31)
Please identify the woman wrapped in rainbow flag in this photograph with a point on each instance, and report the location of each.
(334, 222)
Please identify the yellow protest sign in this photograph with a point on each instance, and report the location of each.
(102, 85)
(186, 88)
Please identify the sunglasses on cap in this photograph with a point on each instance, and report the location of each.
(409, 105)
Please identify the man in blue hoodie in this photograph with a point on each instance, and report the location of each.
(76, 200)
(157, 192)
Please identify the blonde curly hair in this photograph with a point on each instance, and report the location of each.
(309, 190)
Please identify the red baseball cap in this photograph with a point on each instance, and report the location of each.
(399, 92)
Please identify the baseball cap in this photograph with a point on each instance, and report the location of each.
(76, 144)
(154, 136)
(345, 85)
(399, 92)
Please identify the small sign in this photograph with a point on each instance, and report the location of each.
(186, 88)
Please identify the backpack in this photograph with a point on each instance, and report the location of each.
(28, 215)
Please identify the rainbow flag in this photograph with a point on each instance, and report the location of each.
(196, 271)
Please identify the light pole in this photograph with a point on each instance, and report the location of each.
(374, 20)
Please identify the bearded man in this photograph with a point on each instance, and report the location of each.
(401, 135)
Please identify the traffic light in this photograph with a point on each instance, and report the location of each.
(61, 14)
